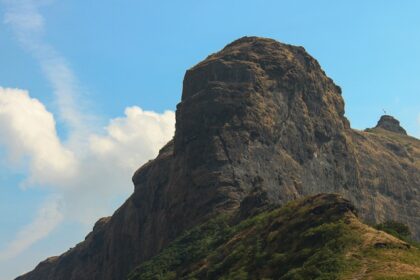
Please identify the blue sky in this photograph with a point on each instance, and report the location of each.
(104, 80)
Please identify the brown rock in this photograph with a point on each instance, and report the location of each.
(390, 123)
(259, 123)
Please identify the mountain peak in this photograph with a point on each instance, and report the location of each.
(390, 123)
(262, 88)
(249, 58)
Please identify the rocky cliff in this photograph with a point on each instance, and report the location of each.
(259, 123)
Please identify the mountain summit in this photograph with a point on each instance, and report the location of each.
(390, 123)
(259, 124)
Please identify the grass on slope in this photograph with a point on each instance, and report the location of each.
(313, 238)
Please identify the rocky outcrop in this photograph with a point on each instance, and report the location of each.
(259, 123)
(390, 123)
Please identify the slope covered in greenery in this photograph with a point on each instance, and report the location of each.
(317, 237)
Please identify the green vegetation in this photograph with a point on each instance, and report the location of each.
(312, 238)
(395, 228)
(399, 230)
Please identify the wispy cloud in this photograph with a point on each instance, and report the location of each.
(24, 15)
(47, 218)
(28, 24)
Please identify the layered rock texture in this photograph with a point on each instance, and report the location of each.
(259, 123)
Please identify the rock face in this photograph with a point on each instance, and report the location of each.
(259, 123)
(390, 123)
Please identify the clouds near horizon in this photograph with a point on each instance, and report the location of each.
(84, 179)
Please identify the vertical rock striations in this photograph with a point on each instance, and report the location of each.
(259, 123)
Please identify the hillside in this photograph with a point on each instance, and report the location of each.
(318, 237)
(259, 124)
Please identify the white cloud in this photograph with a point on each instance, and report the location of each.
(108, 162)
(125, 135)
(47, 218)
(27, 129)
(87, 178)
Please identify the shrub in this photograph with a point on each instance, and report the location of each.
(395, 228)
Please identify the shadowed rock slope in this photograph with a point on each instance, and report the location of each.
(259, 123)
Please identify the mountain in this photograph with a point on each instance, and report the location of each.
(259, 124)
